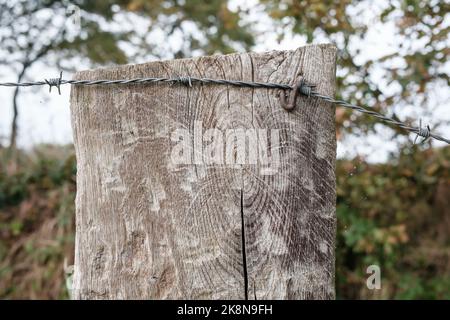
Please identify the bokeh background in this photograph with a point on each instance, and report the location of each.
(393, 203)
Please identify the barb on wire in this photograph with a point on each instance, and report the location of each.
(187, 81)
(54, 82)
(302, 88)
(423, 132)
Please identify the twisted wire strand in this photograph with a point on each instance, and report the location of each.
(419, 131)
(303, 88)
(237, 83)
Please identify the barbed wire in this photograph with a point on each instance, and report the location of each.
(301, 88)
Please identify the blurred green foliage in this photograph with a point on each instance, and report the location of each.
(36, 222)
(395, 215)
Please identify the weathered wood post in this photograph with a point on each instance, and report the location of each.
(209, 191)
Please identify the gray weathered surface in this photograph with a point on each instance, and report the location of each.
(151, 229)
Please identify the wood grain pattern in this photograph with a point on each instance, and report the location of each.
(149, 228)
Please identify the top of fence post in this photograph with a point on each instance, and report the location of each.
(206, 190)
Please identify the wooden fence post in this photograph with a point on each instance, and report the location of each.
(209, 191)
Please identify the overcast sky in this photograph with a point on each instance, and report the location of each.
(45, 118)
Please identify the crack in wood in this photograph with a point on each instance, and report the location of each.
(244, 253)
